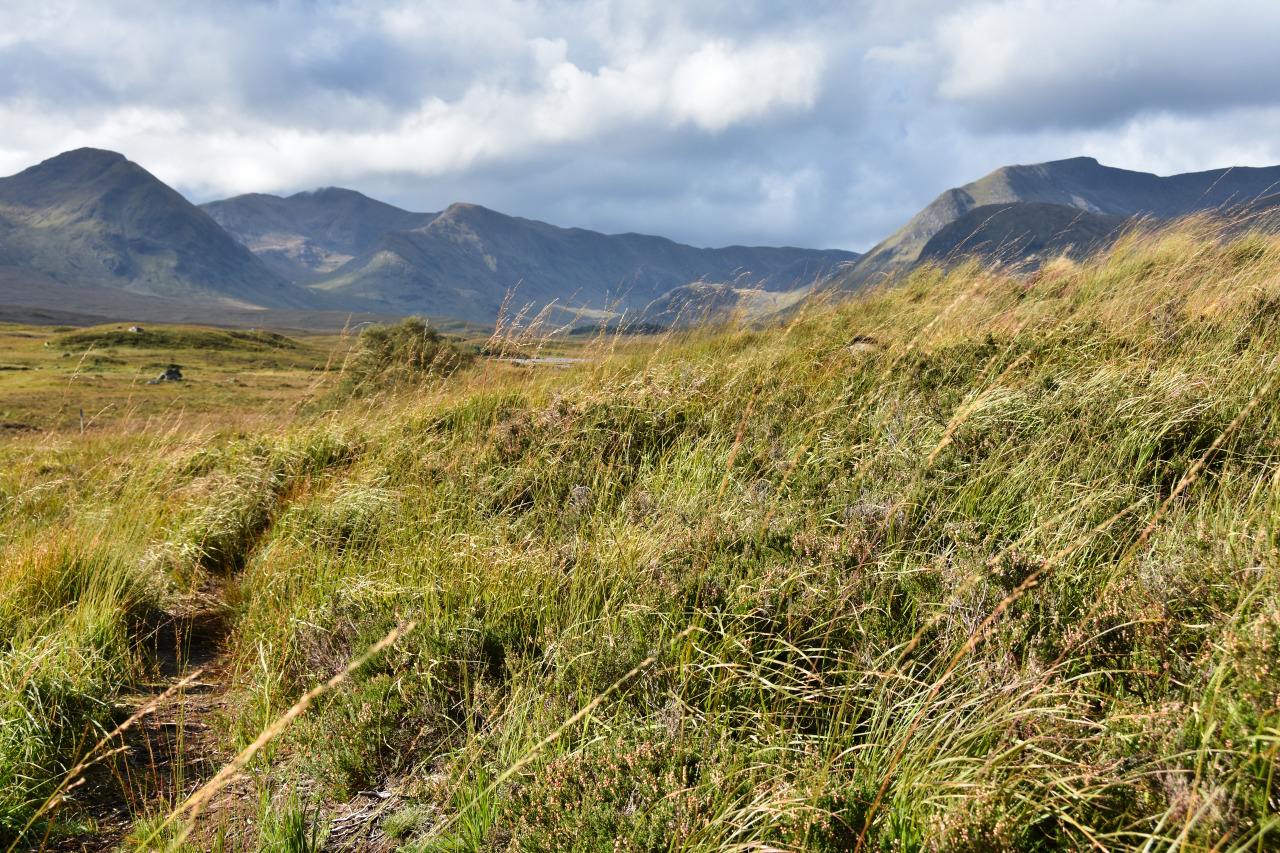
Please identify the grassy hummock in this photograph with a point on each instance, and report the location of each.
(980, 561)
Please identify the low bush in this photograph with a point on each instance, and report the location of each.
(389, 356)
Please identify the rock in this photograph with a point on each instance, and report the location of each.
(863, 343)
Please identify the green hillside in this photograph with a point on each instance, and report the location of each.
(979, 562)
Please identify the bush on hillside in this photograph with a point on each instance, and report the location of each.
(388, 356)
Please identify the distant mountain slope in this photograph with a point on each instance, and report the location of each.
(1010, 233)
(93, 222)
(1080, 183)
(308, 235)
(693, 305)
(464, 261)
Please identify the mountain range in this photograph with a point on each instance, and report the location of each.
(89, 231)
(464, 261)
(90, 234)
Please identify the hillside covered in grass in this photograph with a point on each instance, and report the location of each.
(976, 562)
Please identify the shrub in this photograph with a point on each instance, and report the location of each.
(387, 356)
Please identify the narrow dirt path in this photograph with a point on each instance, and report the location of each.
(173, 749)
(180, 744)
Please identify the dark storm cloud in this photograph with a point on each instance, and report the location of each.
(822, 123)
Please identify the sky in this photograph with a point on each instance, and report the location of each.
(812, 123)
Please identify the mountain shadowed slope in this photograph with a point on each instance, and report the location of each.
(91, 221)
(1014, 233)
(308, 235)
(1263, 214)
(1082, 183)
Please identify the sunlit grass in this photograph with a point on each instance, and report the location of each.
(974, 562)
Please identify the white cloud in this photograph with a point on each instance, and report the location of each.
(721, 85)
(300, 104)
(1170, 143)
(1021, 63)
(206, 134)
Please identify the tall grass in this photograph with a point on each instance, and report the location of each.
(974, 562)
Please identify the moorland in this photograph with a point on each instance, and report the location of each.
(49, 375)
(981, 559)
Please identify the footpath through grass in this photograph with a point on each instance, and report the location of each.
(978, 562)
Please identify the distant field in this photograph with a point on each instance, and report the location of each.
(48, 375)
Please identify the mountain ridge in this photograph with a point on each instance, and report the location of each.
(319, 241)
(91, 231)
(1077, 182)
(470, 261)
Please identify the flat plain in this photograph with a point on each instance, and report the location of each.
(49, 374)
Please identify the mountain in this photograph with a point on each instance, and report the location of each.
(91, 223)
(306, 236)
(89, 231)
(692, 305)
(465, 261)
(1081, 183)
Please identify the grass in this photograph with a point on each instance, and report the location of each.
(974, 562)
(50, 376)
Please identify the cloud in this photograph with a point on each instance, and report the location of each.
(429, 87)
(815, 122)
(1094, 63)
(720, 85)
